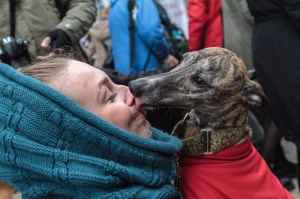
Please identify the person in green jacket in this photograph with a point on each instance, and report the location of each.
(46, 25)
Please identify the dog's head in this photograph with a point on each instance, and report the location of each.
(213, 81)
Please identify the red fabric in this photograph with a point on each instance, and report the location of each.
(205, 24)
(237, 172)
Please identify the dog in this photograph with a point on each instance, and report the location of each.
(218, 159)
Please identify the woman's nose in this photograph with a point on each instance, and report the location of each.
(127, 96)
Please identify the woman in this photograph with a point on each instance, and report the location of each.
(91, 142)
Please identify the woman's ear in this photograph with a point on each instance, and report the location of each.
(254, 95)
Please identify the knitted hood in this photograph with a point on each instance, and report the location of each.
(50, 146)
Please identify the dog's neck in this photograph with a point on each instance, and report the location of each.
(220, 119)
(198, 141)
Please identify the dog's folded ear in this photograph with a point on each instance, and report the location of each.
(254, 95)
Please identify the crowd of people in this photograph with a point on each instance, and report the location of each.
(68, 130)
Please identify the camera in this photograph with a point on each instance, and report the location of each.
(14, 52)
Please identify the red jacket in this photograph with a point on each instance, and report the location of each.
(205, 24)
(237, 172)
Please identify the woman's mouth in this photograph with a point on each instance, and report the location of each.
(138, 104)
(141, 110)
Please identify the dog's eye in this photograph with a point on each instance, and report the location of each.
(198, 81)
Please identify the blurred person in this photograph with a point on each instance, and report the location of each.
(147, 51)
(273, 153)
(79, 135)
(237, 28)
(238, 24)
(43, 27)
(149, 45)
(205, 24)
(96, 42)
(275, 45)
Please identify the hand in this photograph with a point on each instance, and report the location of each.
(42, 58)
(171, 61)
(56, 38)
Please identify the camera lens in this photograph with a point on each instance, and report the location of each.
(4, 57)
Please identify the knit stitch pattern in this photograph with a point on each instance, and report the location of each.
(50, 147)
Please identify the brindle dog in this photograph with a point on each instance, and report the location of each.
(217, 159)
(212, 82)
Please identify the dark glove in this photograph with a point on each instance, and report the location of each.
(59, 39)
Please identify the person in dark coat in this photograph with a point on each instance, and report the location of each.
(276, 47)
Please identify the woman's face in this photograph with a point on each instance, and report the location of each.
(93, 90)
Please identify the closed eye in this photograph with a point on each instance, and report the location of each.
(112, 97)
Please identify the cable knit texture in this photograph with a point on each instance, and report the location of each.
(50, 146)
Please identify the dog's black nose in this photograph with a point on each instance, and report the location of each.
(135, 87)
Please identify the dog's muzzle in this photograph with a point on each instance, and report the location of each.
(136, 87)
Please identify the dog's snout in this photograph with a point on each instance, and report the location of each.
(136, 87)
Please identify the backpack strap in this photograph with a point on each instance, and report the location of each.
(131, 4)
(12, 5)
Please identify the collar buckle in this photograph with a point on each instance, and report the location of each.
(207, 150)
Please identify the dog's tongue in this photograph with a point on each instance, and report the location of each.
(138, 104)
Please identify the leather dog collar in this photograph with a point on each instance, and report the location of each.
(198, 142)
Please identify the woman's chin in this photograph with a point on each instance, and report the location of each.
(148, 130)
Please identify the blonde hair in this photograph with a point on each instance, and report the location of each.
(51, 70)
(46, 71)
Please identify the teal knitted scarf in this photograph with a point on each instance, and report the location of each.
(51, 147)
